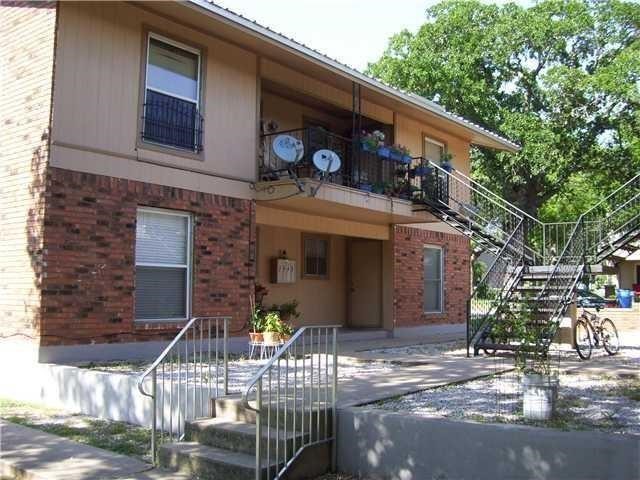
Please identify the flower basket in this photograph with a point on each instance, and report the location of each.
(367, 146)
(395, 155)
(406, 159)
(384, 152)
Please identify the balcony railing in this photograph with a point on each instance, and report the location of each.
(361, 169)
(172, 122)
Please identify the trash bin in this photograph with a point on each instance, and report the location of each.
(625, 298)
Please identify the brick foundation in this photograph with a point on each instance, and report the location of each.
(409, 275)
(89, 244)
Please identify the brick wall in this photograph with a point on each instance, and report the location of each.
(26, 73)
(89, 241)
(409, 275)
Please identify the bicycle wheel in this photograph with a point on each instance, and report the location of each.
(582, 339)
(610, 340)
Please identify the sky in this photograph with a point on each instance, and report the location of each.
(355, 32)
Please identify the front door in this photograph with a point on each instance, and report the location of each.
(365, 278)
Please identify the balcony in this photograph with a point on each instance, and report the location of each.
(383, 171)
(374, 183)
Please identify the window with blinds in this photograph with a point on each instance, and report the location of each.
(432, 260)
(163, 265)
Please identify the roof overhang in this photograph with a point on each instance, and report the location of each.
(256, 35)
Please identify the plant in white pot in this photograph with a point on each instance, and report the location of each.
(271, 328)
(539, 383)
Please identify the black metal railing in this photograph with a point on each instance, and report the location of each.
(360, 169)
(171, 121)
(496, 285)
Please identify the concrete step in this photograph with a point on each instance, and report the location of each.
(231, 408)
(205, 462)
(240, 436)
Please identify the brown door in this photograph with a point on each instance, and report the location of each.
(365, 289)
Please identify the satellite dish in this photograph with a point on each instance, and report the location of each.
(327, 161)
(288, 149)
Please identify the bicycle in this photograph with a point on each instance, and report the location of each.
(592, 330)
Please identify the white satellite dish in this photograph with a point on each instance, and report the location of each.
(288, 149)
(327, 161)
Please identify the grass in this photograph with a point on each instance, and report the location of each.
(118, 437)
(630, 389)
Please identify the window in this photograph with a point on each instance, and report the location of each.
(316, 256)
(163, 266)
(172, 95)
(433, 150)
(432, 261)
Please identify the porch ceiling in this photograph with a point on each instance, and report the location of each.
(336, 201)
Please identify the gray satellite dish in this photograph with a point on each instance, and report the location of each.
(288, 149)
(327, 161)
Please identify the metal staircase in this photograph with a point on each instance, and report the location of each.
(537, 265)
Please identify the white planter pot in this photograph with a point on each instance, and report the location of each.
(540, 395)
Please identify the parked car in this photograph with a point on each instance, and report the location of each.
(588, 299)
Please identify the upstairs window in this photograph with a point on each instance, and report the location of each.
(171, 113)
(433, 150)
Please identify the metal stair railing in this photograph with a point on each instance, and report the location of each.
(475, 208)
(614, 221)
(294, 398)
(185, 376)
(496, 285)
(543, 241)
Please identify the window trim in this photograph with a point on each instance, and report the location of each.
(440, 143)
(149, 31)
(188, 266)
(442, 251)
(311, 276)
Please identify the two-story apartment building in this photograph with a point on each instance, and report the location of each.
(145, 180)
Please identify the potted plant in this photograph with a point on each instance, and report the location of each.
(288, 311)
(370, 142)
(365, 186)
(539, 385)
(378, 187)
(445, 161)
(399, 153)
(257, 325)
(272, 327)
(286, 330)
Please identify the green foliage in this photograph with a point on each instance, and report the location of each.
(257, 319)
(272, 322)
(561, 78)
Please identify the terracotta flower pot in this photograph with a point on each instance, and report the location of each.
(285, 338)
(256, 337)
(271, 337)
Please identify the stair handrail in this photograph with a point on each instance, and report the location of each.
(203, 383)
(497, 302)
(290, 351)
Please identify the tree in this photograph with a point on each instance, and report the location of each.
(561, 78)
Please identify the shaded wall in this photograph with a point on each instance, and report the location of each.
(322, 301)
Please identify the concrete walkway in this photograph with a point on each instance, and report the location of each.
(415, 375)
(27, 453)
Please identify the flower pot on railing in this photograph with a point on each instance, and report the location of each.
(384, 152)
(367, 146)
(406, 159)
(395, 155)
(447, 167)
(367, 187)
